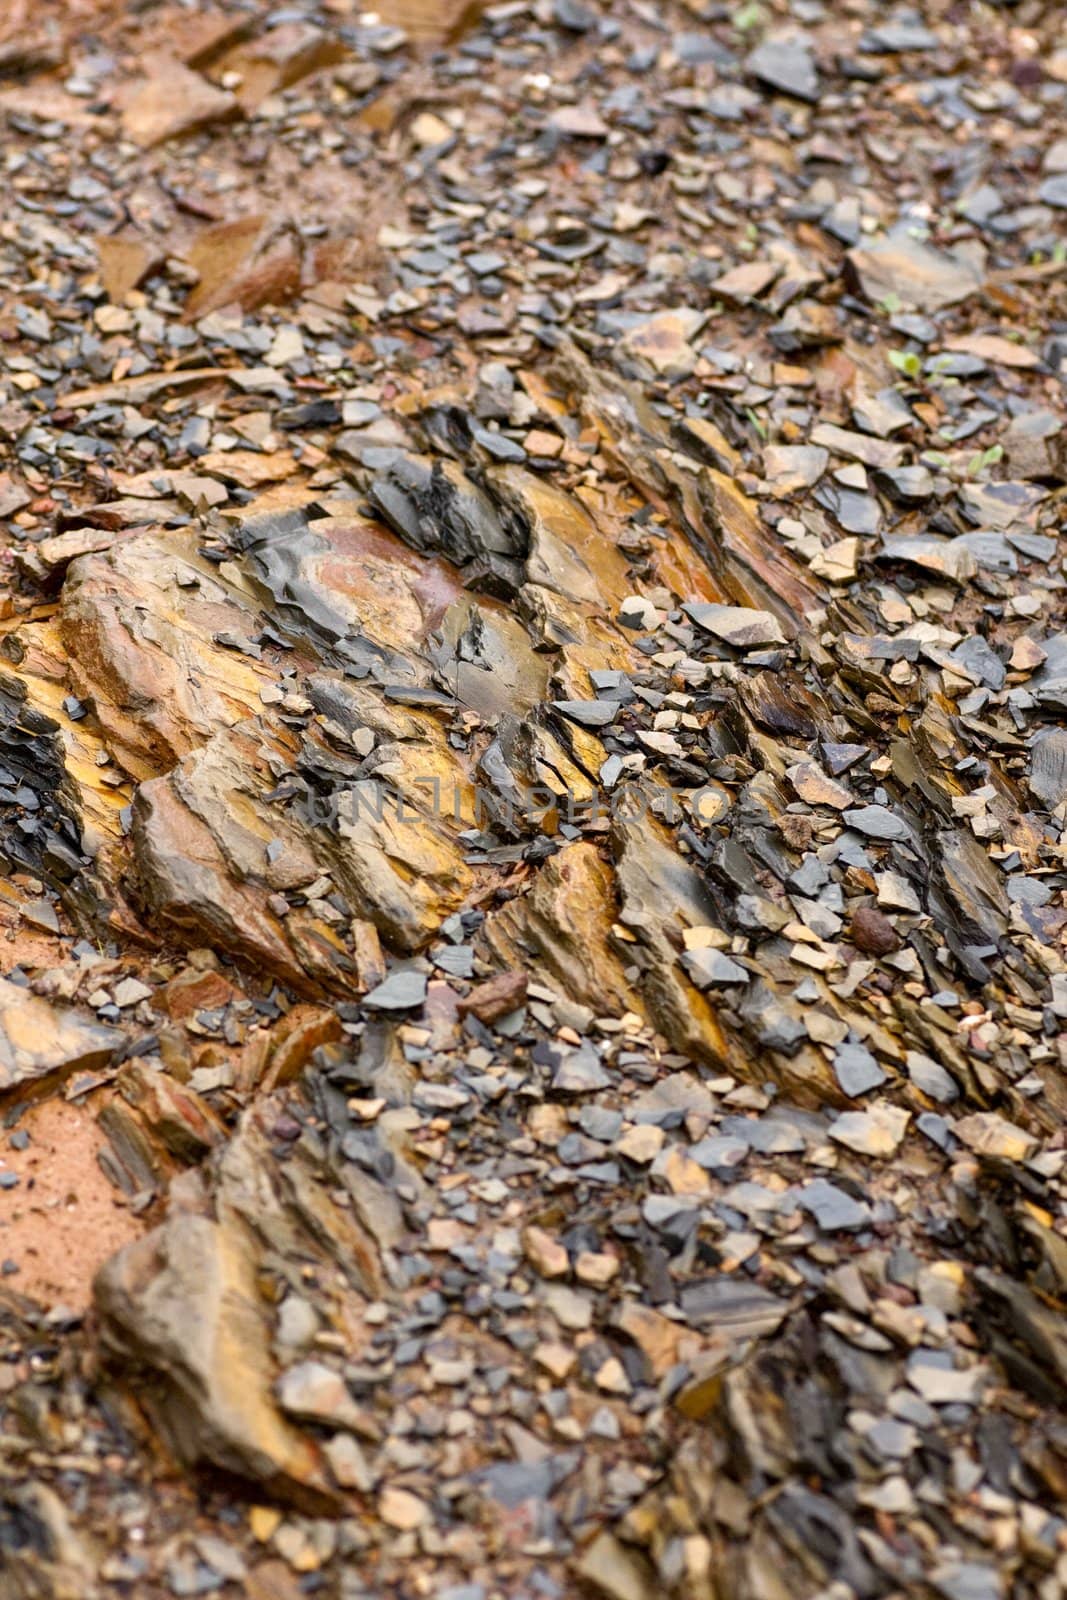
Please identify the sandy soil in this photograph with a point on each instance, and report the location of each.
(64, 1218)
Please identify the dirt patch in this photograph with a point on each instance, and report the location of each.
(63, 1218)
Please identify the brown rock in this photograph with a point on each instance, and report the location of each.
(200, 39)
(180, 1310)
(47, 561)
(203, 865)
(873, 932)
(39, 1041)
(172, 102)
(137, 622)
(292, 51)
(655, 1335)
(495, 998)
(296, 1038)
(546, 1255)
(193, 990)
(125, 259)
(245, 262)
(565, 923)
(171, 1113)
(431, 22)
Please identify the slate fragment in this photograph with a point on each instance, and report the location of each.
(786, 64)
(920, 277)
(40, 1042)
(180, 1307)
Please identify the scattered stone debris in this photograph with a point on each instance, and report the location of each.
(532, 800)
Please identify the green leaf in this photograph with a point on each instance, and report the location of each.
(984, 459)
(905, 361)
(747, 17)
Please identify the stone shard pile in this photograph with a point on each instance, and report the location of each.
(533, 800)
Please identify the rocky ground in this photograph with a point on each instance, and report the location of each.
(533, 794)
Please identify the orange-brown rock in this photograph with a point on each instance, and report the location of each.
(243, 262)
(40, 1042)
(174, 101)
(292, 51)
(139, 623)
(181, 1310)
(194, 990)
(125, 259)
(295, 1040)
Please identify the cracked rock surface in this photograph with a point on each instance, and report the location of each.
(533, 797)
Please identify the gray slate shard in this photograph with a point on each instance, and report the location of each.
(715, 1154)
(773, 1025)
(786, 64)
(856, 1070)
(856, 512)
(434, 508)
(979, 661)
(580, 1072)
(877, 822)
(905, 32)
(832, 1208)
(589, 713)
(402, 990)
(1054, 191)
(739, 626)
(732, 1306)
(919, 276)
(906, 484)
(1048, 767)
(1049, 683)
(711, 969)
(967, 1580)
(931, 1077)
(840, 757)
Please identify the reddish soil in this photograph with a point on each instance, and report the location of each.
(65, 1217)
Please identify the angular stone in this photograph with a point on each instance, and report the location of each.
(711, 968)
(138, 622)
(662, 344)
(613, 1570)
(949, 558)
(495, 998)
(831, 1207)
(173, 102)
(125, 259)
(921, 278)
(283, 56)
(813, 785)
(247, 262)
(785, 63)
(789, 468)
(40, 1043)
(856, 1069)
(181, 1311)
(878, 1131)
(401, 991)
(313, 1392)
(739, 626)
(1048, 767)
(989, 1135)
